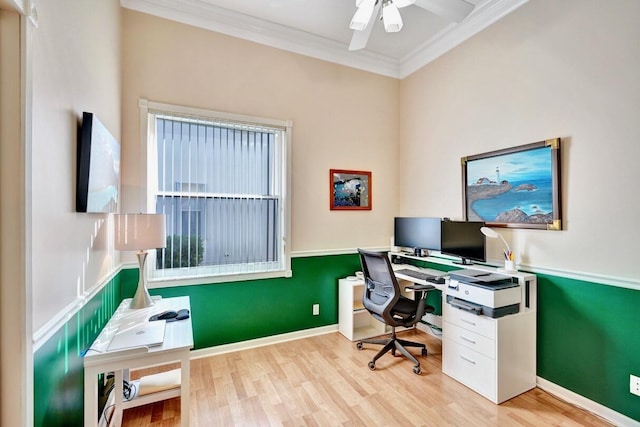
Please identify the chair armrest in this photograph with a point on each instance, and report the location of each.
(420, 287)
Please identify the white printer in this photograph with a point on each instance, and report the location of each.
(483, 293)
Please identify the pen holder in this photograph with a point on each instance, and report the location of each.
(509, 265)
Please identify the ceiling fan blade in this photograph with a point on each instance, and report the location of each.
(360, 38)
(454, 10)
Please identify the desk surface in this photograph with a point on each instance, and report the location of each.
(178, 334)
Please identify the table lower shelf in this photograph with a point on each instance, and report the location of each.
(155, 387)
(151, 398)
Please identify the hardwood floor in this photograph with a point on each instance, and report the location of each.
(325, 381)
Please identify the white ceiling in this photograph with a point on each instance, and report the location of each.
(320, 28)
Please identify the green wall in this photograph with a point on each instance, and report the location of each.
(58, 373)
(588, 340)
(225, 313)
(587, 337)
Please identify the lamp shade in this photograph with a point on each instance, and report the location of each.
(363, 15)
(391, 17)
(494, 235)
(140, 231)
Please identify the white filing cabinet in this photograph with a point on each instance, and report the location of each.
(494, 357)
(354, 321)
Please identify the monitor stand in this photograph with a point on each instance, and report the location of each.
(464, 261)
(420, 252)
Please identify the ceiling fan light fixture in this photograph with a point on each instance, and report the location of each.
(391, 17)
(363, 14)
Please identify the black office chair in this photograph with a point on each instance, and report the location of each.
(382, 298)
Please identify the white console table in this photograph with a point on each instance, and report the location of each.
(178, 340)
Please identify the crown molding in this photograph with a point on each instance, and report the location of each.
(214, 18)
(453, 35)
(17, 5)
(256, 30)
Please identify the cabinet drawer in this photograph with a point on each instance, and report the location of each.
(482, 325)
(469, 339)
(471, 368)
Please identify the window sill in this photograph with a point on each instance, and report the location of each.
(206, 280)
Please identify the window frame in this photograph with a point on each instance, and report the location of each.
(148, 186)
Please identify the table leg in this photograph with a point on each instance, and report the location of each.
(118, 377)
(90, 398)
(185, 390)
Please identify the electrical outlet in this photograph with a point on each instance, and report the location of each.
(634, 385)
(316, 309)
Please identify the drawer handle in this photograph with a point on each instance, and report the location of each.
(469, 322)
(468, 360)
(469, 340)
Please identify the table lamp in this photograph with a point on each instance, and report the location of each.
(509, 261)
(140, 232)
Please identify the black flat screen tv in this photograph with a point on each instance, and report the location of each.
(98, 172)
(464, 239)
(417, 233)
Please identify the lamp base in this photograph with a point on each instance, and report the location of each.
(141, 299)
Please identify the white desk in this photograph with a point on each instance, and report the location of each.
(178, 340)
(496, 357)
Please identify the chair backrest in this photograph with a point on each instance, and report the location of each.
(381, 290)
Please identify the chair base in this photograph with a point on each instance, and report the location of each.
(392, 344)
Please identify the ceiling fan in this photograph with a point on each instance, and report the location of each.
(363, 20)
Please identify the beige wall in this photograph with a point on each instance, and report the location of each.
(551, 69)
(76, 68)
(343, 118)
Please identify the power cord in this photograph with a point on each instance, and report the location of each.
(86, 350)
(435, 330)
(128, 390)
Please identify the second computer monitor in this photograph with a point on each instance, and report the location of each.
(465, 240)
(417, 233)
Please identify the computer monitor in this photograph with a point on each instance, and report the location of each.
(417, 233)
(465, 240)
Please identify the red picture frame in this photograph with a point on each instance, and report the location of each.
(349, 190)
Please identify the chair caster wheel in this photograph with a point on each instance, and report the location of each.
(372, 366)
(424, 351)
(417, 370)
(359, 345)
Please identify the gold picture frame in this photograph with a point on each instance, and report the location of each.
(516, 187)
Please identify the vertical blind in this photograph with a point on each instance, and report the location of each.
(220, 186)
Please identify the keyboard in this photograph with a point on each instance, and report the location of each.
(415, 274)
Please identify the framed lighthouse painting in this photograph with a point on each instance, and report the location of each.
(517, 187)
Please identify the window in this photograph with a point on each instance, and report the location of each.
(222, 182)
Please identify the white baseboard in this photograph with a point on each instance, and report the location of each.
(595, 408)
(260, 342)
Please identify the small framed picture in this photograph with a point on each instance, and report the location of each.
(349, 190)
